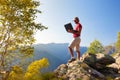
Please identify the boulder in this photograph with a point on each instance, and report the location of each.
(75, 71)
(92, 67)
(117, 62)
(97, 61)
(104, 59)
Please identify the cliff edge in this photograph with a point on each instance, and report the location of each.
(92, 67)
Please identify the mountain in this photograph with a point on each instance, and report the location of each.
(109, 49)
(56, 53)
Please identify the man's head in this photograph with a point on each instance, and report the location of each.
(76, 20)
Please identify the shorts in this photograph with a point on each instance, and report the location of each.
(75, 43)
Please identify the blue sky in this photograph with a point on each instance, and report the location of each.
(100, 20)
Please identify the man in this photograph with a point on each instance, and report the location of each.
(76, 40)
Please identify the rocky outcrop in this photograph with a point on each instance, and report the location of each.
(117, 62)
(74, 71)
(97, 61)
(91, 67)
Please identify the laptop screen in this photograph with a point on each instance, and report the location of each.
(68, 26)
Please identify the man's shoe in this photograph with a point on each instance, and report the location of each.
(79, 62)
(72, 59)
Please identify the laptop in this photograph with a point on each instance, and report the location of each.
(68, 26)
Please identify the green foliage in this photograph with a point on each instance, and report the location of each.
(118, 43)
(16, 73)
(109, 78)
(17, 28)
(48, 76)
(33, 70)
(32, 73)
(95, 47)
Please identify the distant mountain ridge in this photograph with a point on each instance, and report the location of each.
(56, 53)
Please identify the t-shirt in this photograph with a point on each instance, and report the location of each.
(77, 27)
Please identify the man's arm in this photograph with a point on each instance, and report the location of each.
(79, 31)
(74, 31)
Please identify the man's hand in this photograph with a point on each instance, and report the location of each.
(70, 31)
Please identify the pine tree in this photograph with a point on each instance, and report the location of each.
(118, 43)
(95, 47)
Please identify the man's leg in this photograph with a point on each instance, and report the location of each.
(70, 49)
(78, 55)
(77, 48)
(71, 52)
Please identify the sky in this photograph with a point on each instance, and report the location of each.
(100, 20)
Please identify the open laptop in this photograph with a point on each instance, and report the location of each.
(68, 26)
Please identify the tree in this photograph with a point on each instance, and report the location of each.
(95, 47)
(33, 70)
(118, 43)
(16, 73)
(32, 73)
(17, 29)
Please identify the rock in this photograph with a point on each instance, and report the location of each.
(117, 78)
(74, 71)
(89, 59)
(92, 67)
(117, 57)
(104, 59)
(117, 62)
(61, 70)
(97, 61)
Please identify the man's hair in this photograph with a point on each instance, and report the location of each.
(76, 18)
